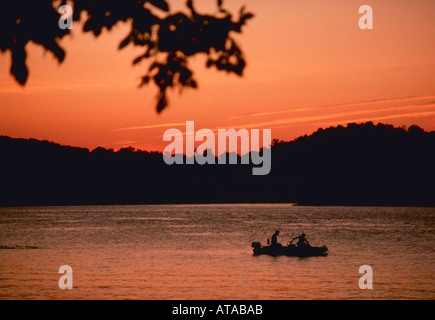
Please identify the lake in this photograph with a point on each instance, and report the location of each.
(204, 252)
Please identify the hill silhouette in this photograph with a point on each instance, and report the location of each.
(360, 164)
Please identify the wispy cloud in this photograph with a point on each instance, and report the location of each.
(422, 106)
(400, 111)
(45, 89)
(340, 105)
(162, 125)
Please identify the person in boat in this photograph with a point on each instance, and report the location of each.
(302, 242)
(275, 240)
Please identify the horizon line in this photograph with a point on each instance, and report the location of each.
(156, 151)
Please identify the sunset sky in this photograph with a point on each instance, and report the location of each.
(309, 66)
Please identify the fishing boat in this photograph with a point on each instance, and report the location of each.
(291, 250)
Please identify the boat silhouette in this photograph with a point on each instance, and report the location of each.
(292, 250)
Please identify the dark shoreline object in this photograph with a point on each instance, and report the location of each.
(291, 250)
(17, 247)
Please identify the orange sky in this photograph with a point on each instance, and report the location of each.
(309, 66)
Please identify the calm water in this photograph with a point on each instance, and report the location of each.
(203, 252)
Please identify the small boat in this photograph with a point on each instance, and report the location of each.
(291, 250)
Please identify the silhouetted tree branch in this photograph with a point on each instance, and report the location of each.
(170, 40)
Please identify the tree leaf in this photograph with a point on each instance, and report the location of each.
(161, 4)
(125, 42)
(18, 67)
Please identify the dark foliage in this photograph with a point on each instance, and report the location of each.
(170, 40)
(361, 164)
